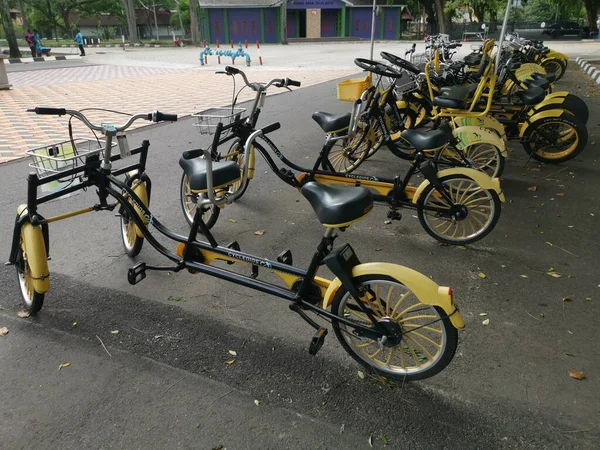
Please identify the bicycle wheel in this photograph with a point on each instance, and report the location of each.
(484, 157)
(32, 300)
(474, 215)
(344, 156)
(428, 341)
(189, 204)
(555, 139)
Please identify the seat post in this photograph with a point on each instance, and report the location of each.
(320, 253)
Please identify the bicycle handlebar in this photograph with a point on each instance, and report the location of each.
(278, 82)
(154, 116)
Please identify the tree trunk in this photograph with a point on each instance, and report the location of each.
(440, 16)
(284, 22)
(155, 21)
(431, 19)
(131, 20)
(9, 30)
(194, 29)
(591, 8)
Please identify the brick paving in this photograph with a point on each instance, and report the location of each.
(128, 89)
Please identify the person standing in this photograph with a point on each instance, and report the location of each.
(31, 42)
(79, 40)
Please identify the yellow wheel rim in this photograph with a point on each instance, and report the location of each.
(25, 281)
(190, 200)
(563, 134)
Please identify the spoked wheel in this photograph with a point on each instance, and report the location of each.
(32, 300)
(555, 139)
(189, 204)
(345, 156)
(484, 157)
(377, 138)
(470, 214)
(426, 339)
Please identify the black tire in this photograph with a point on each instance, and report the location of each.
(188, 201)
(493, 165)
(466, 192)
(554, 140)
(344, 304)
(32, 300)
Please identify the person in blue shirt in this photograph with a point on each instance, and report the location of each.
(79, 40)
(39, 48)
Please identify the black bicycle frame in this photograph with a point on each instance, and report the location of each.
(129, 201)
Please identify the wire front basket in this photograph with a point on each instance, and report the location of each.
(207, 121)
(420, 60)
(62, 156)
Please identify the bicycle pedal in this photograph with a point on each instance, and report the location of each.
(137, 273)
(394, 215)
(317, 341)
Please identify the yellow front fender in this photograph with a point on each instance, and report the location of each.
(557, 94)
(542, 115)
(470, 135)
(140, 190)
(557, 55)
(426, 290)
(482, 179)
(35, 248)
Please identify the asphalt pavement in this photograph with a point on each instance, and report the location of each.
(169, 379)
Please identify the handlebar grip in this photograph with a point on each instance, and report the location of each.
(232, 70)
(289, 82)
(49, 111)
(270, 128)
(157, 116)
(191, 154)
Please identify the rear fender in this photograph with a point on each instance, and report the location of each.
(426, 290)
(557, 55)
(485, 122)
(139, 187)
(470, 135)
(542, 115)
(482, 179)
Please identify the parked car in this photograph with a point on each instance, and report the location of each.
(562, 29)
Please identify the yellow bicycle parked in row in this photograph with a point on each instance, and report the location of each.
(393, 320)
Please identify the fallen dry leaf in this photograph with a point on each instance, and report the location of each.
(23, 314)
(74, 324)
(560, 194)
(63, 365)
(232, 220)
(483, 314)
(482, 275)
(259, 232)
(371, 441)
(486, 322)
(114, 332)
(232, 352)
(576, 374)
(535, 169)
(230, 362)
(257, 402)
(3, 331)
(524, 276)
(361, 375)
(568, 298)
(554, 274)
(387, 222)
(589, 299)
(532, 188)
